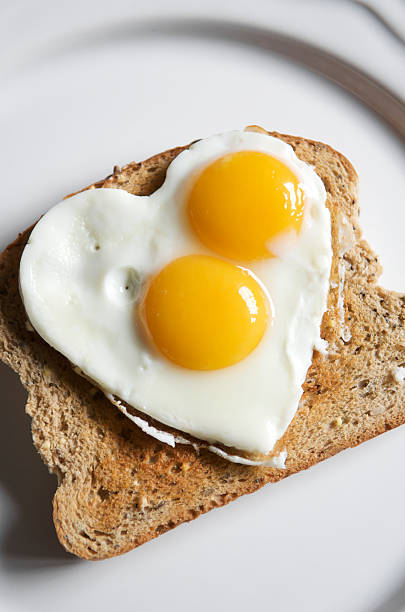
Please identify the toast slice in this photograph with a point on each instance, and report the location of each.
(118, 487)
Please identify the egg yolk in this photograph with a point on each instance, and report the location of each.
(244, 200)
(204, 313)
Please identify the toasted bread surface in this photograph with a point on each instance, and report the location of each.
(118, 487)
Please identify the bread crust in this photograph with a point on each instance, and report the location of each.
(118, 487)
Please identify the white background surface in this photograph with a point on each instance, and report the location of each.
(89, 84)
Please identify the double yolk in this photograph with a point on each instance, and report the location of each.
(204, 312)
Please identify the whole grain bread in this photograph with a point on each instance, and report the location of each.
(118, 487)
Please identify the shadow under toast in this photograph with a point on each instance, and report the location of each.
(394, 602)
(30, 541)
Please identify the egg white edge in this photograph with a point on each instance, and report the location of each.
(278, 461)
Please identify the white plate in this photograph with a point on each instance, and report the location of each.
(84, 94)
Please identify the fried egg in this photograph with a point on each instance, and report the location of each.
(201, 304)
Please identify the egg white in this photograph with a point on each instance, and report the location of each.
(86, 262)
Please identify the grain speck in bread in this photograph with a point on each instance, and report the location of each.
(118, 487)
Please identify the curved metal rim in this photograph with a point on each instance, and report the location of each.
(377, 97)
